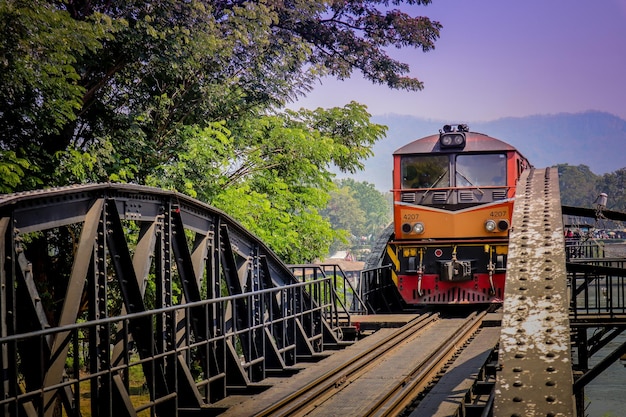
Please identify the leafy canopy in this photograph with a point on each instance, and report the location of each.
(273, 173)
(186, 95)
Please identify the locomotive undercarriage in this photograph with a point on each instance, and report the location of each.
(450, 273)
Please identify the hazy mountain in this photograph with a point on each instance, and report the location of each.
(595, 139)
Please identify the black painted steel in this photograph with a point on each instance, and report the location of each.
(121, 299)
(597, 285)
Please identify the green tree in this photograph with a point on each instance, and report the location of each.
(580, 187)
(273, 173)
(185, 95)
(377, 208)
(345, 213)
(614, 185)
(359, 211)
(577, 185)
(121, 79)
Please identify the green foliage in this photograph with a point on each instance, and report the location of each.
(199, 168)
(577, 185)
(345, 213)
(12, 171)
(131, 77)
(376, 205)
(348, 35)
(614, 185)
(273, 173)
(359, 210)
(580, 187)
(183, 95)
(40, 47)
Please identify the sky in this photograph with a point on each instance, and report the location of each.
(498, 58)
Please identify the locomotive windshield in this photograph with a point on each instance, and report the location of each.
(426, 171)
(433, 171)
(481, 170)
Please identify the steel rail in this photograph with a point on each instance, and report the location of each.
(398, 395)
(405, 391)
(327, 384)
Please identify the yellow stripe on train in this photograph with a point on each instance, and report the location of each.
(396, 263)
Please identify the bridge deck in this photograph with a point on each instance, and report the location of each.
(452, 390)
(280, 388)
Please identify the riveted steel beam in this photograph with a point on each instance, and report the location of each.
(535, 375)
(143, 292)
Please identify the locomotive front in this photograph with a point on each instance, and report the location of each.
(453, 202)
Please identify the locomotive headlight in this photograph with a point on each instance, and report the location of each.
(490, 225)
(452, 140)
(503, 225)
(418, 228)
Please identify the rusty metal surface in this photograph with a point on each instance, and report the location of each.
(535, 378)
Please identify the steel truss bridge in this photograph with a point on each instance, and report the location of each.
(127, 300)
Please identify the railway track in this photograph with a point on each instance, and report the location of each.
(386, 378)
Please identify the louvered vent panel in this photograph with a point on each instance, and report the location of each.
(466, 196)
(440, 197)
(408, 197)
(499, 195)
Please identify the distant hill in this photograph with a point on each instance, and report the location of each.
(593, 138)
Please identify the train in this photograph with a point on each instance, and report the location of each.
(453, 197)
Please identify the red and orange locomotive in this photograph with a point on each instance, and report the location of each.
(453, 201)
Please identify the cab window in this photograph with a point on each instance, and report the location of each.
(425, 171)
(480, 170)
